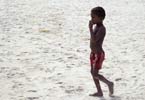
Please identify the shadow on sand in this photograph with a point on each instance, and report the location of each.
(110, 98)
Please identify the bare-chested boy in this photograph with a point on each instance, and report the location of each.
(97, 56)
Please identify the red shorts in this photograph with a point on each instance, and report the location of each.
(96, 60)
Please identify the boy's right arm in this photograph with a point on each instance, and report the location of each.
(91, 31)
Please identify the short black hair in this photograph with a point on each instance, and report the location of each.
(99, 11)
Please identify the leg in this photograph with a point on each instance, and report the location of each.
(109, 83)
(103, 79)
(98, 64)
(97, 83)
(93, 58)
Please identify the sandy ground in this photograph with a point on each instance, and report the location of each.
(44, 49)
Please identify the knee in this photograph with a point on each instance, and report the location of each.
(94, 73)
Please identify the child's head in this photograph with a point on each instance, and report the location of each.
(97, 15)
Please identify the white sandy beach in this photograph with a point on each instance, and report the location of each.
(44, 49)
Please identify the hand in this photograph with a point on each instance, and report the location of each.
(91, 24)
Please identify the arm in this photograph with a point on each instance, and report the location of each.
(91, 30)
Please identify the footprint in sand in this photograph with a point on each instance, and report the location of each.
(118, 79)
(59, 73)
(133, 76)
(70, 57)
(32, 98)
(44, 30)
(68, 66)
(32, 91)
(59, 83)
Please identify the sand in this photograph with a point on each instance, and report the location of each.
(44, 49)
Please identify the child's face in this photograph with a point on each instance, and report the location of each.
(95, 19)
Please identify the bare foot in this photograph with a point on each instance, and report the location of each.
(96, 94)
(111, 88)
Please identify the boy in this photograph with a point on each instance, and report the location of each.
(97, 55)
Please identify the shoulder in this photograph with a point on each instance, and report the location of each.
(102, 29)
